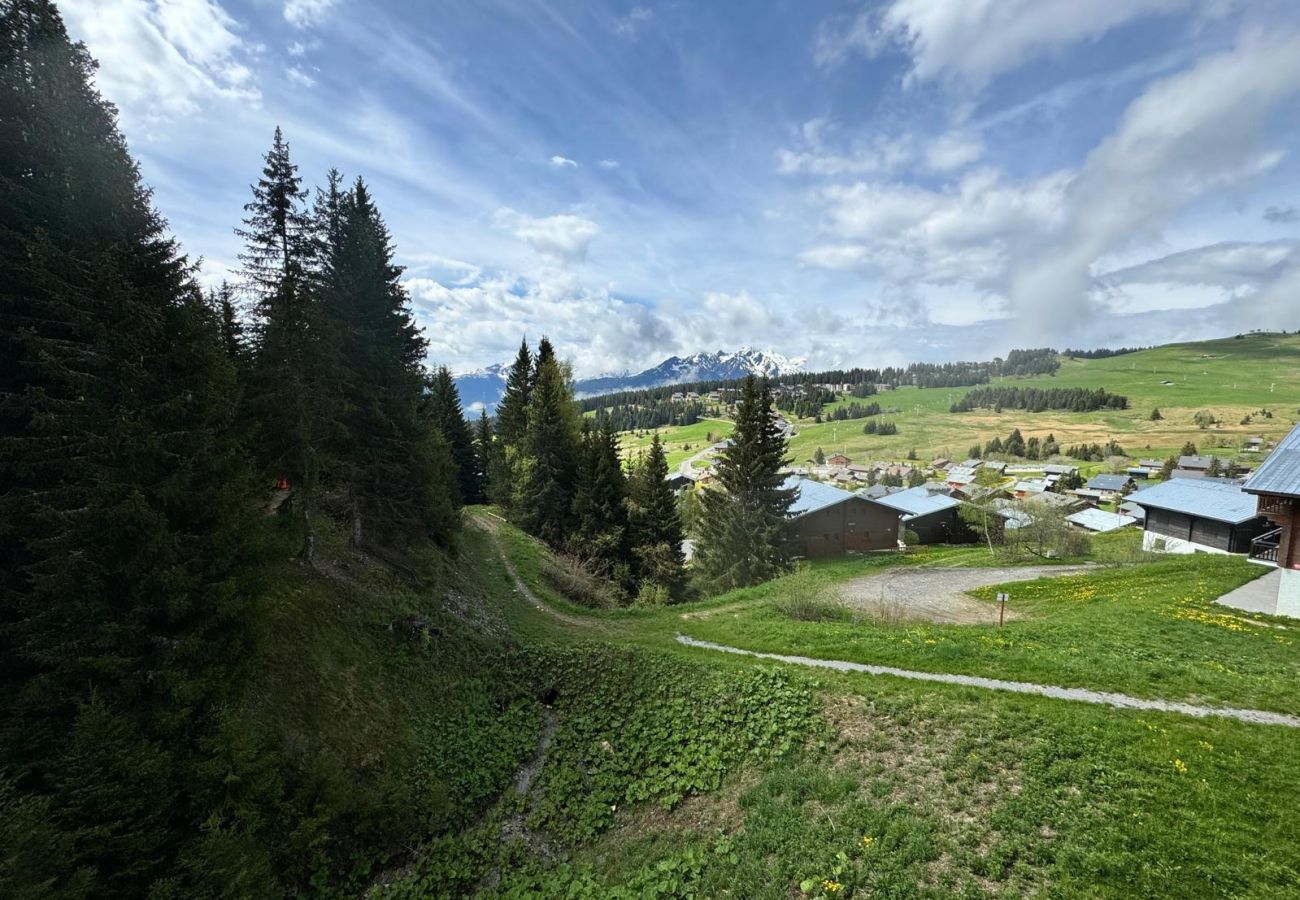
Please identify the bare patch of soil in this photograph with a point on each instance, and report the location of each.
(937, 595)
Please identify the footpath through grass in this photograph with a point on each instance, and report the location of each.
(885, 787)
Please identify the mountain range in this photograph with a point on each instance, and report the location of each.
(482, 389)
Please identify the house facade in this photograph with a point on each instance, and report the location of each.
(1198, 516)
(828, 521)
(932, 516)
(1276, 489)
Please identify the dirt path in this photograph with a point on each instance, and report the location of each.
(927, 594)
(487, 524)
(1081, 695)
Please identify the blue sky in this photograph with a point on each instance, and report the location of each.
(856, 184)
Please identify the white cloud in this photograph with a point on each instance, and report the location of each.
(561, 162)
(303, 13)
(562, 238)
(836, 256)
(1033, 247)
(481, 322)
(1188, 136)
(815, 156)
(976, 40)
(298, 76)
(954, 150)
(1231, 265)
(629, 25)
(164, 60)
(608, 164)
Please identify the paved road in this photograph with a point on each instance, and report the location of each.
(1082, 695)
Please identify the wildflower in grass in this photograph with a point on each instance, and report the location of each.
(1180, 767)
(868, 840)
(831, 887)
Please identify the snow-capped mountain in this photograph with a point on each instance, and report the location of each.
(485, 386)
(482, 388)
(716, 366)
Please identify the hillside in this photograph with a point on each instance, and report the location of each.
(1231, 378)
(669, 771)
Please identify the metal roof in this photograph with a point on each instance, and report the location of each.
(1206, 499)
(814, 496)
(876, 491)
(1280, 472)
(917, 501)
(1109, 482)
(1099, 520)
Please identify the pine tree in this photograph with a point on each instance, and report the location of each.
(222, 301)
(511, 426)
(654, 523)
(745, 531)
(285, 391)
(442, 408)
(547, 464)
(483, 449)
(1015, 444)
(600, 534)
(122, 513)
(380, 353)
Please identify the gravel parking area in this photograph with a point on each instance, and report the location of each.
(939, 595)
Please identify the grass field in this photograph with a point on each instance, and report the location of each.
(680, 442)
(1231, 378)
(919, 790)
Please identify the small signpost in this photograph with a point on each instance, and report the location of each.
(1002, 607)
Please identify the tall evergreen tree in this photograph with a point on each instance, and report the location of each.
(442, 407)
(511, 426)
(655, 525)
(600, 533)
(378, 478)
(483, 447)
(284, 393)
(745, 530)
(122, 622)
(547, 466)
(222, 301)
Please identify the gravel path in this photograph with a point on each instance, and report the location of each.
(939, 594)
(1082, 695)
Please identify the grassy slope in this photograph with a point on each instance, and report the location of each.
(680, 441)
(666, 774)
(1230, 377)
(967, 792)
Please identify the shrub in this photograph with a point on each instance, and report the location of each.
(813, 609)
(652, 594)
(578, 584)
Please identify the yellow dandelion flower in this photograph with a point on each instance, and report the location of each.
(831, 887)
(868, 840)
(1180, 767)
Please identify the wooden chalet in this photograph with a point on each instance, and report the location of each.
(1276, 488)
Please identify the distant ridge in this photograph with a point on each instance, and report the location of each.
(483, 388)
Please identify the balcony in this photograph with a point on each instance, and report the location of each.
(1263, 549)
(1276, 505)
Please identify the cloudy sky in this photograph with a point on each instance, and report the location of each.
(852, 183)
